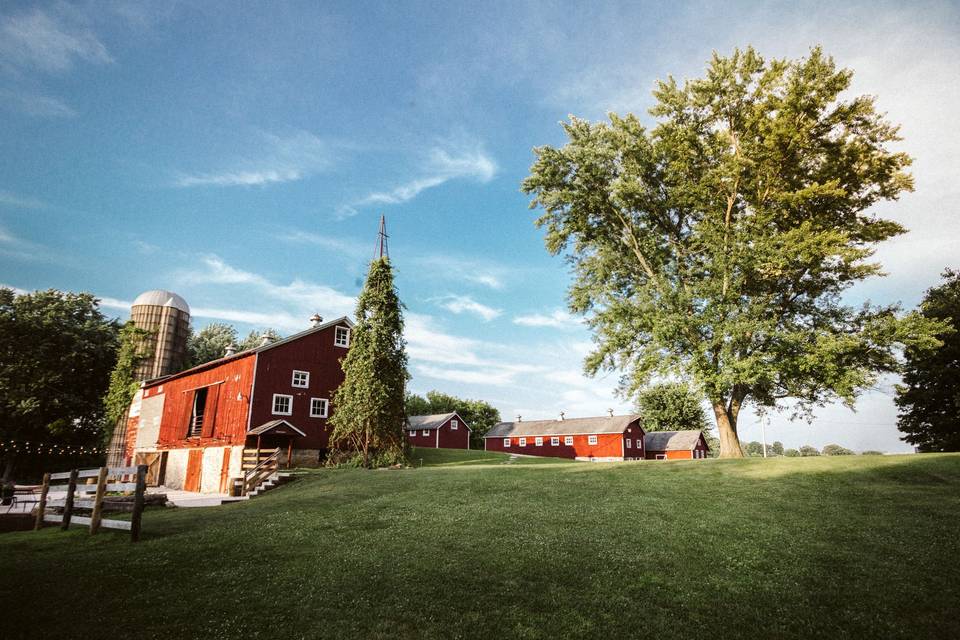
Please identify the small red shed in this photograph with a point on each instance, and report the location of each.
(438, 431)
(676, 445)
(599, 439)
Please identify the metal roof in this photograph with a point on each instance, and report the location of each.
(273, 425)
(671, 440)
(565, 427)
(432, 422)
(161, 298)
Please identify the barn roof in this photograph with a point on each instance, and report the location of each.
(567, 426)
(248, 352)
(432, 422)
(671, 440)
(274, 426)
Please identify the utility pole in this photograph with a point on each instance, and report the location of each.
(763, 433)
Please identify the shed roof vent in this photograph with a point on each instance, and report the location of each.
(230, 350)
(519, 418)
(265, 339)
(610, 412)
(316, 320)
(561, 416)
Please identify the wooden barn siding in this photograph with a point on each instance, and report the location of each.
(227, 415)
(449, 439)
(133, 426)
(315, 353)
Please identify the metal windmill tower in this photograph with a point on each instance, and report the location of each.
(383, 251)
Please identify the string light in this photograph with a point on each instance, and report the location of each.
(46, 448)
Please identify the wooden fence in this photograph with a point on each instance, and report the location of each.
(108, 479)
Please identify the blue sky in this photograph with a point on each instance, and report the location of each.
(241, 154)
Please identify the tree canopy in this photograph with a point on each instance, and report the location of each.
(368, 408)
(212, 341)
(56, 354)
(929, 398)
(671, 406)
(479, 415)
(717, 245)
(835, 450)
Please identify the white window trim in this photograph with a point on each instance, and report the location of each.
(523, 442)
(293, 379)
(506, 442)
(554, 441)
(629, 445)
(539, 441)
(454, 425)
(661, 456)
(273, 406)
(336, 337)
(568, 441)
(326, 408)
(413, 433)
(592, 439)
(426, 432)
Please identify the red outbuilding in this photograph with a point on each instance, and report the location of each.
(198, 429)
(598, 439)
(676, 445)
(438, 431)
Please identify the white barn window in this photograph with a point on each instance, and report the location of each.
(282, 405)
(425, 432)
(301, 379)
(554, 441)
(413, 433)
(628, 443)
(523, 442)
(453, 425)
(568, 440)
(591, 439)
(506, 442)
(342, 337)
(539, 442)
(318, 407)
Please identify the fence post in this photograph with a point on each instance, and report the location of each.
(138, 502)
(68, 505)
(42, 507)
(98, 501)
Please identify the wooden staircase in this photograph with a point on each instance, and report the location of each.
(260, 472)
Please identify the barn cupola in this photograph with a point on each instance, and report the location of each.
(610, 412)
(265, 339)
(230, 350)
(519, 418)
(316, 320)
(561, 416)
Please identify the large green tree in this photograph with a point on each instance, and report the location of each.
(671, 406)
(479, 415)
(210, 343)
(56, 354)
(929, 398)
(717, 245)
(368, 408)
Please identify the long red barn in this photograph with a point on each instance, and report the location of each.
(600, 439)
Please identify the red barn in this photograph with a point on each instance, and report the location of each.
(599, 439)
(438, 431)
(676, 445)
(192, 427)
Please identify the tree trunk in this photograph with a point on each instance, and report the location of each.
(8, 463)
(727, 427)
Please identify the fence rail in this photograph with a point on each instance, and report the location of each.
(95, 521)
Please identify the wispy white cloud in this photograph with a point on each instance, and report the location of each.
(13, 246)
(23, 202)
(36, 105)
(558, 319)
(48, 42)
(480, 272)
(278, 159)
(441, 167)
(332, 243)
(466, 304)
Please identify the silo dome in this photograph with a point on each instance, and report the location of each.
(162, 298)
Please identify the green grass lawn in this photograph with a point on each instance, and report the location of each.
(860, 547)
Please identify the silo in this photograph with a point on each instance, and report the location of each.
(167, 316)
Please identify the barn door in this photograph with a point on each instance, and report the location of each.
(225, 471)
(194, 466)
(210, 411)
